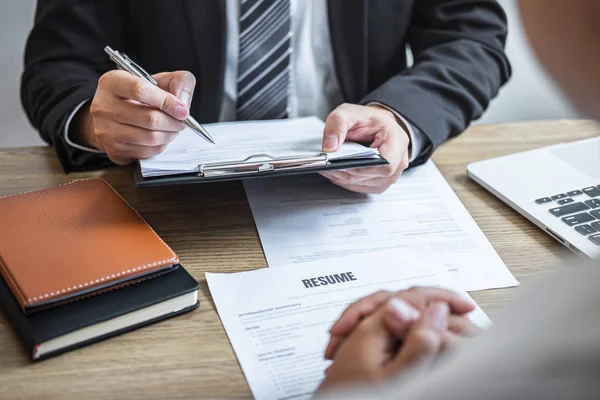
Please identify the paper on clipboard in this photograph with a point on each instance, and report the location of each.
(239, 141)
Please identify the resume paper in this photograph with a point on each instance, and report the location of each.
(307, 218)
(278, 319)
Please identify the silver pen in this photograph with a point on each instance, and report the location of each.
(130, 66)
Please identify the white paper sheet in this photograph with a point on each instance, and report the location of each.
(236, 141)
(279, 328)
(302, 219)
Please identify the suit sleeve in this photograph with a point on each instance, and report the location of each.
(459, 66)
(64, 58)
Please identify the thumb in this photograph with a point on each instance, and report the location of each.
(424, 341)
(336, 128)
(178, 83)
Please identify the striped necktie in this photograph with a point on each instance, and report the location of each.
(264, 59)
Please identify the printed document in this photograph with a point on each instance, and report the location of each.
(236, 141)
(278, 319)
(307, 218)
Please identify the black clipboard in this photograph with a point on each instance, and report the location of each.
(254, 167)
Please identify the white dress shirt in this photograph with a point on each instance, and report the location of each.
(314, 86)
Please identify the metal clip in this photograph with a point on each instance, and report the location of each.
(263, 163)
(140, 69)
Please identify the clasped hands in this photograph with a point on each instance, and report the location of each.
(131, 119)
(387, 333)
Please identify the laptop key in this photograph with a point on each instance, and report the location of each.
(543, 200)
(592, 191)
(596, 225)
(559, 196)
(577, 219)
(595, 239)
(574, 193)
(568, 209)
(567, 201)
(595, 214)
(586, 229)
(593, 203)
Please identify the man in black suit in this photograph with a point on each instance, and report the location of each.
(263, 59)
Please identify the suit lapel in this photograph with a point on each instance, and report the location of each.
(348, 28)
(207, 22)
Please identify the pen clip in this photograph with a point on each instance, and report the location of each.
(139, 69)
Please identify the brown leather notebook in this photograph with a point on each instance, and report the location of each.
(72, 241)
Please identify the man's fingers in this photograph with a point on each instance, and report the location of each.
(336, 128)
(125, 153)
(358, 188)
(393, 170)
(370, 186)
(388, 141)
(375, 181)
(425, 339)
(350, 176)
(179, 83)
(339, 122)
(136, 114)
(353, 187)
(112, 131)
(127, 86)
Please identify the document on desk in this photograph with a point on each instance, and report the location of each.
(236, 141)
(278, 319)
(302, 219)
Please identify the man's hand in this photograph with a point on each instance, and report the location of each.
(370, 354)
(374, 126)
(400, 311)
(130, 118)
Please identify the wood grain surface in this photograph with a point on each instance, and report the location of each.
(211, 228)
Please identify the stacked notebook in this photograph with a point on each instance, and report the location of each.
(79, 265)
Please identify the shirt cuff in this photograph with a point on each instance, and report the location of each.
(417, 138)
(66, 132)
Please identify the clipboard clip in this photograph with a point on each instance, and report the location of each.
(262, 163)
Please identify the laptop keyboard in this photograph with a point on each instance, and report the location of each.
(579, 209)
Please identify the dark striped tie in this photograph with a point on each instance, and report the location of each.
(264, 59)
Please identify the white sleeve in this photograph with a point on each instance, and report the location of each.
(417, 140)
(66, 132)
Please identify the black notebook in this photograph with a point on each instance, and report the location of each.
(58, 330)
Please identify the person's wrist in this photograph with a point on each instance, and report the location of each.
(81, 130)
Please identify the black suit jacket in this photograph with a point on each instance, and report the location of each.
(459, 62)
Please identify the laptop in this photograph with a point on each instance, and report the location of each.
(556, 187)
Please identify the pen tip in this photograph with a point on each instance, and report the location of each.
(209, 138)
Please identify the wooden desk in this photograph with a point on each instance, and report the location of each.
(211, 228)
